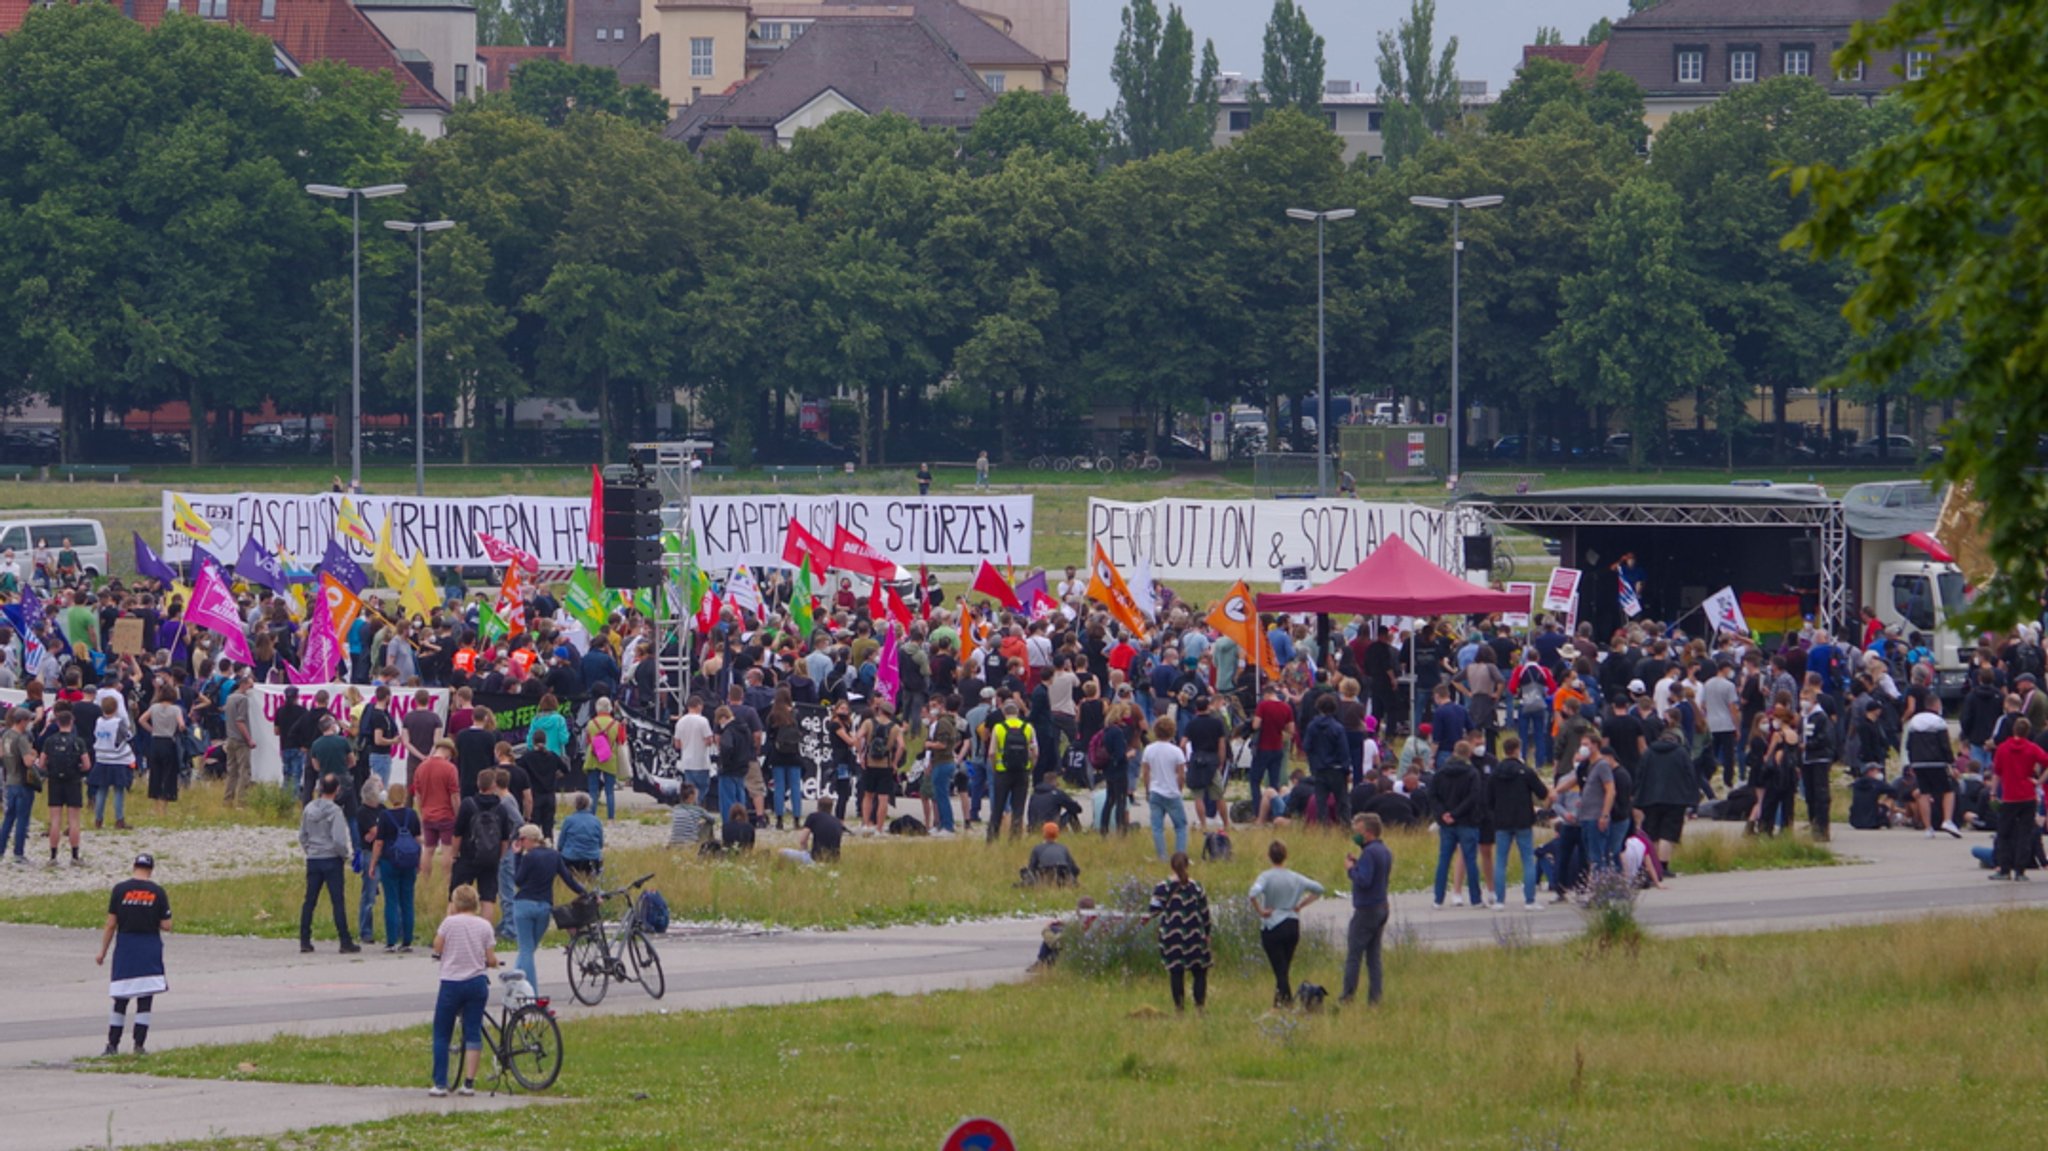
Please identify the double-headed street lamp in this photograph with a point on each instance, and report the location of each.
(419, 341)
(355, 197)
(1457, 249)
(1322, 381)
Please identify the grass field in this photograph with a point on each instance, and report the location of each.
(878, 882)
(1924, 1034)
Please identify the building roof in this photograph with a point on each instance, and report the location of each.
(971, 37)
(875, 64)
(500, 62)
(1587, 58)
(643, 64)
(1756, 13)
(463, 5)
(1645, 46)
(304, 30)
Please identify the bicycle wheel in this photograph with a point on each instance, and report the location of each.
(589, 969)
(532, 1049)
(1503, 563)
(1153, 463)
(1105, 464)
(646, 964)
(1063, 464)
(1040, 463)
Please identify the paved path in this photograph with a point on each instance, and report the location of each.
(52, 1001)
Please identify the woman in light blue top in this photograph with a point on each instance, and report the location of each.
(1278, 897)
(549, 729)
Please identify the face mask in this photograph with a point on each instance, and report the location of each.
(1359, 840)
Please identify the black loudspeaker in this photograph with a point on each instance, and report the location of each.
(1804, 557)
(1479, 553)
(632, 523)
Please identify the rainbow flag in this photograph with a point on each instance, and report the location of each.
(1771, 617)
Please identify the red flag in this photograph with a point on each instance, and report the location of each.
(502, 554)
(924, 595)
(799, 542)
(854, 554)
(595, 531)
(707, 613)
(885, 604)
(989, 582)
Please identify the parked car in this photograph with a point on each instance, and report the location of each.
(88, 538)
(1891, 447)
(1511, 448)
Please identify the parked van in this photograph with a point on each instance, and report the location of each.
(88, 538)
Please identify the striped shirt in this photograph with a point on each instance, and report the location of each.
(686, 826)
(466, 942)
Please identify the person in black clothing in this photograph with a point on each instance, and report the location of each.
(1329, 761)
(476, 749)
(822, 835)
(1456, 792)
(1393, 808)
(1624, 732)
(1979, 717)
(1050, 804)
(1514, 793)
(737, 833)
(543, 770)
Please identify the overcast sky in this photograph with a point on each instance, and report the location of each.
(1490, 36)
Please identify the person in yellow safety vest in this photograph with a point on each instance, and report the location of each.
(1016, 749)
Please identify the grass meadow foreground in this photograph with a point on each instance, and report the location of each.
(1924, 1034)
(879, 882)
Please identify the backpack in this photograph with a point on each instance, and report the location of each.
(878, 741)
(1016, 745)
(1531, 692)
(2027, 659)
(601, 743)
(1216, 847)
(486, 832)
(63, 755)
(405, 850)
(789, 739)
(1098, 755)
(1310, 996)
(654, 913)
(906, 825)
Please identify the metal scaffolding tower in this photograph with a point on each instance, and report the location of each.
(671, 465)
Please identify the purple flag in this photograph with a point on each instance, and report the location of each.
(150, 564)
(345, 570)
(203, 560)
(1029, 591)
(321, 653)
(213, 608)
(888, 668)
(258, 566)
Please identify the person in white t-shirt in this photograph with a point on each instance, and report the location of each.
(694, 739)
(1165, 769)
(1072, 587)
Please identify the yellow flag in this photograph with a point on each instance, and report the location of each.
(354, 526)
(1106, 586)
(189, 522)
(385, 561)
(418, 595)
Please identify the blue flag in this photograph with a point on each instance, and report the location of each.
(31, 642)
(337, 564)
(257, 565)
(148, 563)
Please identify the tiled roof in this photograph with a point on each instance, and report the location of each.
(878, 65)
(1756, 13)
(1645, 46)
(1586, 58)
(975, 40)
(499, 63)
(643, 64)
(305, 29)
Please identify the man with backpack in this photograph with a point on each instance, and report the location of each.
(880, 740)
(483, 828)
(66, 759)
(1013, 748)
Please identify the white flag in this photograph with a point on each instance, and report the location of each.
(742, 592)
(1724, 611)
(1142, 591)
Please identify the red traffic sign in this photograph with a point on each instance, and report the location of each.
(979, 1135)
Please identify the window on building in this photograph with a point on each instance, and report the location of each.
(170, 5)
(1850, 75)
(994, 80)
(1798, 61)
(213, 9)
(767, 30)
(1241, 121)
(270, 9)
(1742, 66)
(1330, 118)
(1373, 120)
(462, 81)
(1692, 65)
(1917, 60)
(700, 56)
(602, 33)
(618, 33)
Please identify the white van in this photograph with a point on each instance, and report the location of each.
(88, 538)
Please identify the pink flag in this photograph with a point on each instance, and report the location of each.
(320, 654)
(502, 554)
(888, 669)
(213, 608)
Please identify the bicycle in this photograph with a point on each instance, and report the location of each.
(1142, 462)
(524, 1040)
(602, 953)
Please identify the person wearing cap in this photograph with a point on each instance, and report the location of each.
(1050, 863)
(138, 917)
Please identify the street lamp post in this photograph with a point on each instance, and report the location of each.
(355, 197)
(1322, 380)
(1457, 250)
(419, 341)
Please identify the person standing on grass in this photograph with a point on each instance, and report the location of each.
(1515, 792)
(1013, 748)
(1668, 786)
(1278, 898)
(1165, 769)
(1457, 795)
(605, 736)
(981, 472)
(138, 917)
(369, 809)
(1368, 872)
(465, 948)
(483, 830)
(785, 750)
(533, 894)
(395, 862)
(165, 724)
(1181, 908)
(2019, 764)
(65, 762)
(324, 837)
(924, 479)
(1816, 756)
(1115, 770)
(17, 760)
(113, 764)
(437, 790)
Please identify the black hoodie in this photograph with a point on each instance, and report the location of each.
(1667, 775)
(1515, 792)
(1455, 791)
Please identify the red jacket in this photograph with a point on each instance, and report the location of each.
(2016, 763)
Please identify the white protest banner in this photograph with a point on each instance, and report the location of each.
(1562, 594)
(938, 531)
(266, 755)
(1228, 540)
(551, 529)
(1528, 592)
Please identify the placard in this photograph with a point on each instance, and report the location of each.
(552, 529)
(127, 637)
(1562, 593)
(1528, 592)
(1228, 540)
(656, 758)
(937, 531)
(266, 753)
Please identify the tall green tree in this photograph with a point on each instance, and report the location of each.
(1547, 35)
(1418, 89)
(540, 22)
(1293, 76)
(549, 90)
(1632, 336)
(1163, 103)
(1945, 221)
(1042, 121)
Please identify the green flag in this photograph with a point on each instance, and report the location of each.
(694, 579)
(490, 626)
(800, 599)
(644, 602)
(584, 601)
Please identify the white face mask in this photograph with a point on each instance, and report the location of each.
(1585, 753)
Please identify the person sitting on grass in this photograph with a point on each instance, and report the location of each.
(1051, 863)
(1281, 808)
(1049, 803)
(686, 826)
(738, 832)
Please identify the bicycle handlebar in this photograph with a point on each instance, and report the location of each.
(633, 886)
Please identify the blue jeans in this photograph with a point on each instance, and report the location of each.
(21, 803)
(1524, 841)
(397, 885)
(366, 907)
(1163, 809)
(380, 766)
(942, 793)
(99, 804)
(977, 789)
(607, 784)
(1533, 725)
(701, 780)
(294, 768)
(506, 864)
(530, 920)
(1618, 831)
(1571, 855)
(1465, 841)
(786, 783)
(731, 789)
(466, 999)
(1267, 769)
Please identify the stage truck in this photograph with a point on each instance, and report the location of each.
(1876, 546)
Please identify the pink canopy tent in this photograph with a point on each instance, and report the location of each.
(1395, 580)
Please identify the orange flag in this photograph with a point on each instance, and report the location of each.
(1106, 586)
(343, 605)
(1235, 616)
